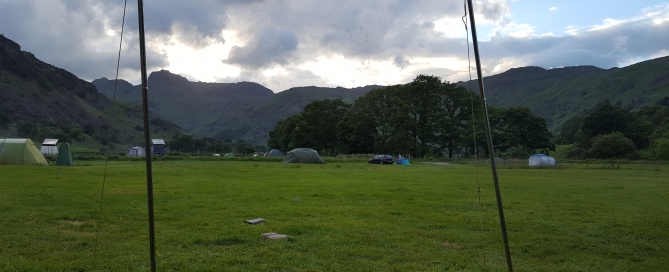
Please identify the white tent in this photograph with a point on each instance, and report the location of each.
(542, 160)
(136, 151)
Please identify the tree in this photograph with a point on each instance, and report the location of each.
(280, 137)
(662, 148)
(26, 129)
(4, 119)
(613, 145)
(453, 117)
(185, 143)
(606, 119)
(522, 128)
(569, 128)
(318, 124)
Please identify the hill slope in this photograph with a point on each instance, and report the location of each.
(223, 110)
(35, 92)
(558, 94)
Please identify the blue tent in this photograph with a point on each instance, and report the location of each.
(403, 161)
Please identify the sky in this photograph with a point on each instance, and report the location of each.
(349, 43)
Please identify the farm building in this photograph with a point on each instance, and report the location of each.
(20, 151)
(158, 147)
(49, 147)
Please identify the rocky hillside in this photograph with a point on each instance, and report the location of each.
(41, 100)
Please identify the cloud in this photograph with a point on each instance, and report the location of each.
(282, 44)
(271, 46)
(553, 8)
(495, 11)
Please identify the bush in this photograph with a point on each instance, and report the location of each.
(662, 148)
(614, 145)
(518, 152)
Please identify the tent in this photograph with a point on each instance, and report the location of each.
(542, 160)
(136, 151)
(303, 155)
(274, 153)
(20, 151)
(64, 156)
(229, 155)
(403, 161)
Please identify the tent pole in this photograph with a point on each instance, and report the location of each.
(145, 104)
(491, 150)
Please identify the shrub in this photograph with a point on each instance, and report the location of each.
(518, 152)
(662, 148)
(614, 145)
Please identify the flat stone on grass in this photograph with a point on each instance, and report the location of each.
(274, 236)
(255, 221)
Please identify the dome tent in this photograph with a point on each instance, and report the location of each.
(136, 151)
(274, 153)
(229, 155)
(542, 160)
(303, 155)
(20, 151)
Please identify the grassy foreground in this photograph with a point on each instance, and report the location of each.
(349, 217)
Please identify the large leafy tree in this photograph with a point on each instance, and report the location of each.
(281, 136)
(315, 127)
(569, 129)
(318, 123)
(607, 118)
(522, 128)
(453, 117)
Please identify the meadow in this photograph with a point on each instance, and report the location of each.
(342, 216)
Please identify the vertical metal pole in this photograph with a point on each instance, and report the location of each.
(147, 140)
(491, 150)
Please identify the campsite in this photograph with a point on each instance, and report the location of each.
(350, 216)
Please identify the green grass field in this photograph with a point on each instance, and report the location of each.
(351, 217)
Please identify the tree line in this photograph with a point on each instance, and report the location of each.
(610, 131)
(191, 144)
(427, 117)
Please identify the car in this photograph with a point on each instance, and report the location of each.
(217, 155)
(381, 159)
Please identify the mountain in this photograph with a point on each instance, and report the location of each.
(243, 110)
(51, 102)
(560, 93)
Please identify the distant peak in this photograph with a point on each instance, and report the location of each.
(165, 75)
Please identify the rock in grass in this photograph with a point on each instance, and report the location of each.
(255, 221)
(274, 236)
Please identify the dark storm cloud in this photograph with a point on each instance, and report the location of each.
(271, 46)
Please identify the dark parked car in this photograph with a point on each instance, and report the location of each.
(381, 159)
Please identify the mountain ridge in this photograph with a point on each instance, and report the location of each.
(44, 101)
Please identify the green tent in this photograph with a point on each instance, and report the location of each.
(229, 155)
(303, 155)
(64, 155)
(20, 151)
